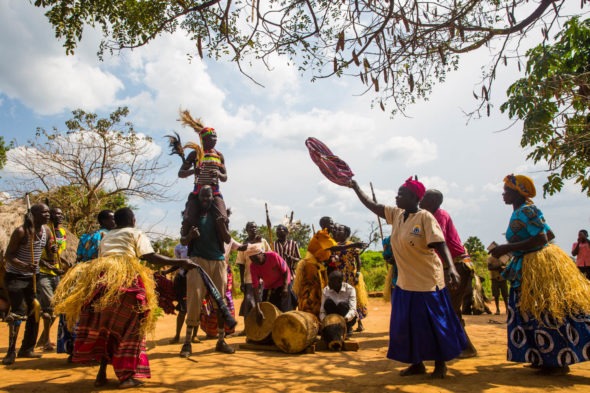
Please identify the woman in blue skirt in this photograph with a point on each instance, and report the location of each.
(423, 324)
(549, 302)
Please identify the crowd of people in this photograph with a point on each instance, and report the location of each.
(106, 301)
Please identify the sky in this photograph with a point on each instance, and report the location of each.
(261, 130)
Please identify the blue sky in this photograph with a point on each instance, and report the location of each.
(261, 131)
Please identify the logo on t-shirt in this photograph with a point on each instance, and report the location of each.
(416, 230)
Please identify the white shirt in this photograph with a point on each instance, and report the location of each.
(347, 294)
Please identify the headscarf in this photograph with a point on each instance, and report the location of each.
(522, 184)
(254, 249)
(415, 186)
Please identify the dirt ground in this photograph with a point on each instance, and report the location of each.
(364, 371)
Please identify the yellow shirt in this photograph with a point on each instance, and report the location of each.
(125, 241)
(59, 237)
(419, 267)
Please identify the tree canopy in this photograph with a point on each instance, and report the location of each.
(474, 245)
(553, 100)
(398, 49)
(97, 163)
(3, 149)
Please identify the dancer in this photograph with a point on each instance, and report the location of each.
(581, 250)
(423, 324)
(207, 165)
(113, 299)
(549, 300)
(205, 249)
(23, 254)
(50, 270)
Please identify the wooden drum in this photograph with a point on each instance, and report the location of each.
(333, 331)
(261, 333)
(294, 331)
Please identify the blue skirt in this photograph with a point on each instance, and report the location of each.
(550, 345)
(424, 326)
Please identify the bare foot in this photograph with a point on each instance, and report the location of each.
(414, 369)
(440, 371)
(130, 383)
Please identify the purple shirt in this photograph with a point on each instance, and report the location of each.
(272, 272)
(450, 232)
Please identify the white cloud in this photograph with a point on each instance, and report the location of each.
(39, 75)
(409, 150)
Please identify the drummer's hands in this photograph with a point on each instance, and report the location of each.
(285, 292)
(259, 314)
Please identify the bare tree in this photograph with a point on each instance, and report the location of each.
(97, 163)
(399, 49)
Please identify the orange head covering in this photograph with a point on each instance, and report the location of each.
(522, 184)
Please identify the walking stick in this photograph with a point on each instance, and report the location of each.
(378, 218)
(269, 227)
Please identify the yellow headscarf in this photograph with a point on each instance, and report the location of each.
(522, 184)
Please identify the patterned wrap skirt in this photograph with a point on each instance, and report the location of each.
(550, 344)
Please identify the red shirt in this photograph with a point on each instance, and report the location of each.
(272, 272)
(583, 257)
(450, 232)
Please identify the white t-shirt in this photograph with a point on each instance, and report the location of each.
(125, 241)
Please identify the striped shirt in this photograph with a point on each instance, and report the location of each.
(23, 254)
(289, 251)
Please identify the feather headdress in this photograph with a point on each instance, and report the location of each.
(196, 124)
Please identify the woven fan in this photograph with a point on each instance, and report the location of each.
(336, 170)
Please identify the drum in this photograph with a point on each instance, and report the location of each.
(333, 331)
(294, 331)
(261, 332)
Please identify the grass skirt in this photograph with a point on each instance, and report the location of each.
(552, 285)
(423, 327)
(112, 299)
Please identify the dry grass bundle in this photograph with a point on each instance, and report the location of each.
(187, 120)
(111, 275)
(362, 297)
(387, 288)
(552, 283)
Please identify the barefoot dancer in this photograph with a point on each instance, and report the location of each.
(423, 324)
(113, 298)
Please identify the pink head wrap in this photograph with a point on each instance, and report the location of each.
(415, 186)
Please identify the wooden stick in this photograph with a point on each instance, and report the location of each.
(378, 218)
(269, 227)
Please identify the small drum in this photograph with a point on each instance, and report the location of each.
(261, 333)
(333, 331)
(294, 331)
